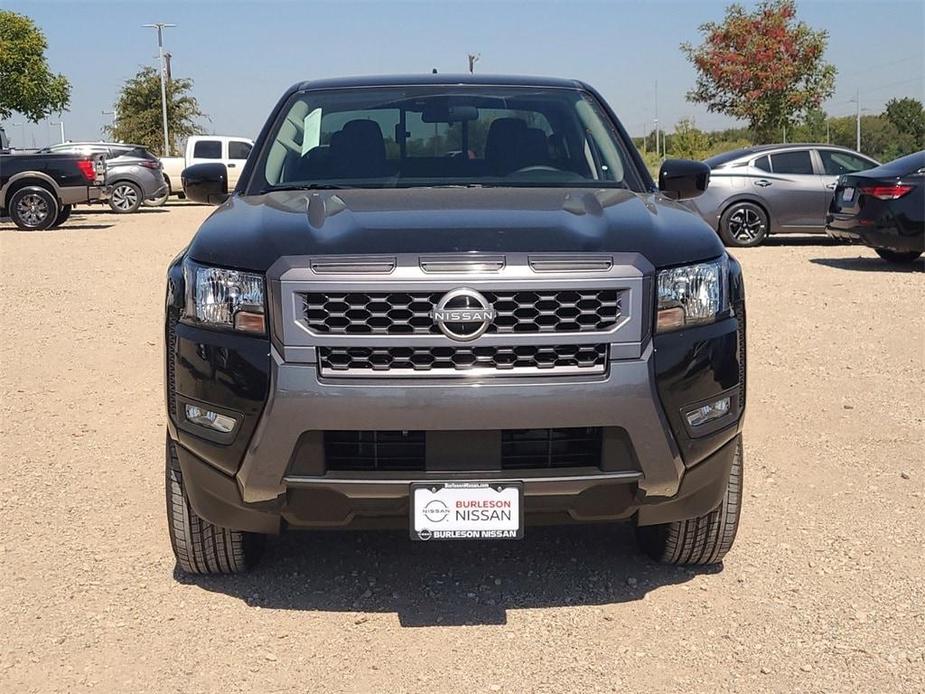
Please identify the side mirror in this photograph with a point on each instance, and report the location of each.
(206, 183)
(682, 179)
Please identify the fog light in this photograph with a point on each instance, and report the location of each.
(709, 412)
(209, 419)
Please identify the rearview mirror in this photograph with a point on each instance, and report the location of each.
(206, 183)
(682, 179)
(442, 113)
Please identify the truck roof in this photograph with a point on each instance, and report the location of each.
(438, 79)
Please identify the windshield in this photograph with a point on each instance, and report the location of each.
(452, 135)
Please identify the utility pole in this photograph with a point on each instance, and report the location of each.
(473, 59)
(857, 99)
(828, 140)
(657, 154)
(160, 26)
(22, 125)
(60, 123)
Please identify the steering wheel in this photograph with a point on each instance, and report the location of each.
(535, 167)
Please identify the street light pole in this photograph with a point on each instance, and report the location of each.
(857, 99)
(23, 132)
(657, 155)
(160, 26)
(60, 123)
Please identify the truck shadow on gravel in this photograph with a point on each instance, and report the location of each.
(447, 583)
(866, 264)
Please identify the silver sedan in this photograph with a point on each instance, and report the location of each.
(773, 189)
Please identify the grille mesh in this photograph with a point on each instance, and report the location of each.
(408, 313)
(459, 360)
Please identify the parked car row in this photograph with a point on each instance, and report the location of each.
(814, 188)
(133, 174)
(124, 176)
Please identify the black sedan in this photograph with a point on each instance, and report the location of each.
(883, 208)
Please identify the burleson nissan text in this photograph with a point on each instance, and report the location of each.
(457, 305)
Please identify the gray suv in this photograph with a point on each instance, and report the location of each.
(133, 175)
(773, 189)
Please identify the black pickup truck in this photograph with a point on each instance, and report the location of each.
(459, 305)
(38, 190)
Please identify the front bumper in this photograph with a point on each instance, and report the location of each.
(273, 469)
(385, 503)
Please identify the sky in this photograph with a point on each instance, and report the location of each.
(243, 55)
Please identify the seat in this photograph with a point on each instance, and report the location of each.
(533, 149)
(358, 151)
(511, 145)
(501, 145)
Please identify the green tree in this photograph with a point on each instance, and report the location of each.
(812, 127)
(761, 66)
(138, 112)
(27, 86)
(908, 116)
(688, 142)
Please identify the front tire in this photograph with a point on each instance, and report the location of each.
(33, 208)
(125, 198)
(199, 546)
(703, 540)
(905, 258)
(743, 225)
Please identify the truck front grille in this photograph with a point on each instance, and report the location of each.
(374, 450)
(409, 313)
(551, 448)
(462, 361)
(521, 449)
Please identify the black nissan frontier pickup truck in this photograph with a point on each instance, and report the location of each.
(457, 305)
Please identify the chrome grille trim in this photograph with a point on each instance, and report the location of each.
(527, 311)
(570, 264)
(461, 362)
(462, 263)
(291, 277)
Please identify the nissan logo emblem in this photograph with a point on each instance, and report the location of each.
(463, 314)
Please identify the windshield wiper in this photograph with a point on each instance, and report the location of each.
(303, 186)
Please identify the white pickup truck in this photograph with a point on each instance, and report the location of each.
(200, 149)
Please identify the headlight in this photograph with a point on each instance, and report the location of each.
(691, 295)
(220, 298)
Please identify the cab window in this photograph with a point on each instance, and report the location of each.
(836, 163)
(238, 150)
(207, 149)
(797, 162)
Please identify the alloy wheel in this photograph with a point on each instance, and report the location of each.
(124, 197)
(746, 225)
(32, 209)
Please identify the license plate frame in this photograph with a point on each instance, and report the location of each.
(442, 522)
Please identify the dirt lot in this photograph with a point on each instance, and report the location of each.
(824, 591)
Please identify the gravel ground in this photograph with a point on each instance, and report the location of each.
(824, 591)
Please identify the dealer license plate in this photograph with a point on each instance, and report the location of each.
(467, 511)
(847, 195)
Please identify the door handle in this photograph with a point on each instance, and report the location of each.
(763, 183)
(230, 165)
(832, 186)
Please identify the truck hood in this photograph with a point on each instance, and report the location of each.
(252, 232)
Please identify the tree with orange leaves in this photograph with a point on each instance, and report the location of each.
(762, 66)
